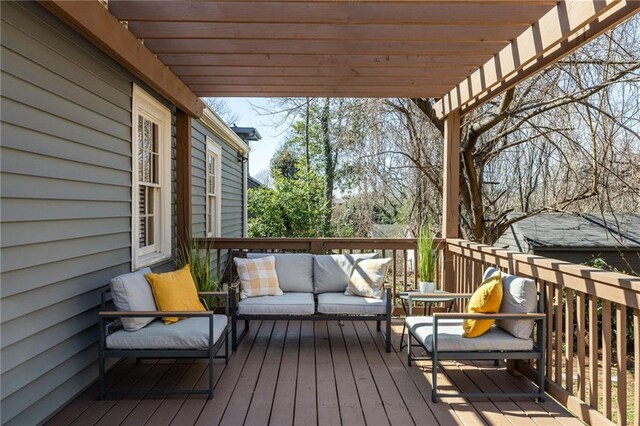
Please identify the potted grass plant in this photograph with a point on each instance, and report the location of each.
(426, 260)
(200, 266)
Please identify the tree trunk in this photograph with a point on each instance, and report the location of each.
(329, 165)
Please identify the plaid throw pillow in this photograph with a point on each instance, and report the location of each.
(258, 277)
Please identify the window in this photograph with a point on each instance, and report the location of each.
(151, 180)
(213, 201)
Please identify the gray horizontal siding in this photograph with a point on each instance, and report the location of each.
(66, 206)
(231, 187)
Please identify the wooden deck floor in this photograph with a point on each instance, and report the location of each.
(306, 373)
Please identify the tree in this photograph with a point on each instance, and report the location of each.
(294, 207)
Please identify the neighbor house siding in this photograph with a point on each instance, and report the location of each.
(231, 185)
(66, 206)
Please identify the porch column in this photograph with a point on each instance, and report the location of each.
(183, 176)
(451, 192)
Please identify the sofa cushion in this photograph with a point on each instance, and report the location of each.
(340, 303)
(175, 291)
(450, 337)
(258, 277)
(285, 304)
(519, 296)
(190, 333)
(132, 292)
(331, 272)
(367, 279)
(295, 270)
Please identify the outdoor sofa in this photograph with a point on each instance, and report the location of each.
(509, 338)
(313, 288)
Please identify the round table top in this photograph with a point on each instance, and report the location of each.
(405, 296)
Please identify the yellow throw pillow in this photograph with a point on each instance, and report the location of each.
(174, 291)
(367, 278)
(258, 277)
(486, 300)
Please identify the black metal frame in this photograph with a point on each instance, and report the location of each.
(107, 323)
(538, 352)
(235, 316)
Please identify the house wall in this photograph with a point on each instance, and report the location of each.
(232, 186)
(66, 206)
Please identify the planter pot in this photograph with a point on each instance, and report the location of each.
(427, 286)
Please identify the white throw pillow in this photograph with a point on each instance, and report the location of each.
(367, 279)
(331, 272)
(132, 292)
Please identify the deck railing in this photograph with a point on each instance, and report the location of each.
(591, 315)
(587, 309)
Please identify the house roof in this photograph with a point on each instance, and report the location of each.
(563, 230)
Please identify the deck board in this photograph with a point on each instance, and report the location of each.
(312, 373)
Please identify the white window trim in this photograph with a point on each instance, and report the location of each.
(147, 105)
(215, 150)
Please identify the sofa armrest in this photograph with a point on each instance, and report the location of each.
(154, 314)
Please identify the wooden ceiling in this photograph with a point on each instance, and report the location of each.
(372, 48)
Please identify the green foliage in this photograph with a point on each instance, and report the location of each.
(200, 266)
(426, 257)
(284, 163)
(294, 207)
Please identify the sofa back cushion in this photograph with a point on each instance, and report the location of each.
(294, 270)
(331, 272)
(132, 292)
(519, 296)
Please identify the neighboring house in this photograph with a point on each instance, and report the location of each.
(579, 238)
(89, 186)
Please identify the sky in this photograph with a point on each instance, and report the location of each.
(272, 136)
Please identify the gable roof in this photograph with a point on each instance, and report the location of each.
(576, 231)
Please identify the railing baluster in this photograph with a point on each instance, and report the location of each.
(580, 314)
(621, 356)
(558, 335)
(404, 268)
(606, 358)
(636, 367)
(593, 350)
(568, 336)
(549, 303)
(394, 264)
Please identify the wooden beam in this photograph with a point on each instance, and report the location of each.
(442, 13)
(185, 72)
(315, 60)
(296, 31)
(183, 177)
(320, 81)
(562, 30)
(94, 22)
(320, 47)
(315, 91)
(450, 193)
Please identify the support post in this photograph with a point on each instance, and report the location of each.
(183, 176)
(450, 193)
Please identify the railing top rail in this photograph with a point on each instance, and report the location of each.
(613, 286)
(310, 243)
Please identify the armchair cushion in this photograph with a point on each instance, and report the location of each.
(175, 291)
(294, 270)
(519, 296)
(340, 303)
(131, 292)
(332, 271)
(190, 333)
(450, 337)
(367, 279)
